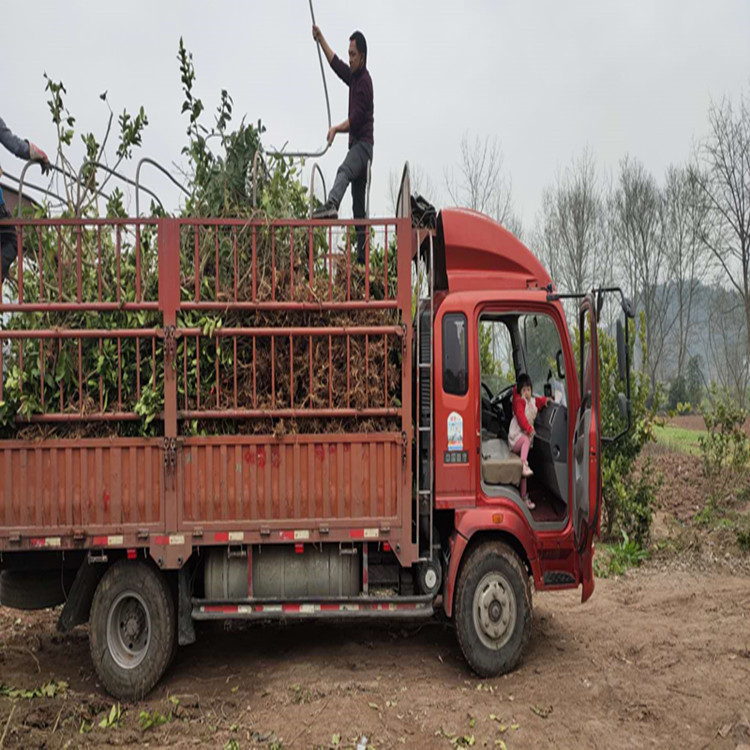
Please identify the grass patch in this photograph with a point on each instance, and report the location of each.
(616, 559)
(678, 439)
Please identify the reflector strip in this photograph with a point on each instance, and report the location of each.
(107, 541)
(229, 536)
(171, 539)
(364, 533)
(45, 541)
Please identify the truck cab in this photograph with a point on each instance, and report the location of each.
(493, 314)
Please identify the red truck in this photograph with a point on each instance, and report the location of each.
(141, 536)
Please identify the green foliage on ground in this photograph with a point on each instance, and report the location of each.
(616, 559)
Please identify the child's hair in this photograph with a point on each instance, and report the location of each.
(524, 381)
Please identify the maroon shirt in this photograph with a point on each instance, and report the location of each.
(361, 106)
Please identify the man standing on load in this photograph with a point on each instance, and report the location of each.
(359, 125)
(23, 149)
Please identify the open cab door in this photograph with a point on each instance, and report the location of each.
(587, 476)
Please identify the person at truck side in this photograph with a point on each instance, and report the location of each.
(360, 126)
(521, 432)
(23, 149)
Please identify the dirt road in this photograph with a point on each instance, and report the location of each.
(653, 660)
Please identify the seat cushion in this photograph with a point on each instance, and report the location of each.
(499, 464)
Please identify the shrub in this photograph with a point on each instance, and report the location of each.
(627, 498)
(725, 446)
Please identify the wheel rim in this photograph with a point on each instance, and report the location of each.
(128, 630)
(494, 610)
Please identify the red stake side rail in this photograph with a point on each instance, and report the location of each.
(139, 316)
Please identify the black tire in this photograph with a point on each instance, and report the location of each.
(496, 580)
(35, 589)
(132, 629)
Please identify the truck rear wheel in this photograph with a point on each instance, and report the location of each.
(132, 629)
(493, 609)
(35, 589)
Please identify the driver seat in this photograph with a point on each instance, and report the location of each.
(499, 464)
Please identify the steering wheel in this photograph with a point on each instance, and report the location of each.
(503, 394)
(490, 395)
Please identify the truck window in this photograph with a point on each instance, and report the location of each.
(455, 354)
(541, 342)
(496, 354)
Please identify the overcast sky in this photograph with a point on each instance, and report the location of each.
(547, 78)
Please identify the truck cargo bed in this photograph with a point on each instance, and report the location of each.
(297, 428)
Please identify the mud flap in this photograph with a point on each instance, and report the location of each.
(587, 573)
(77, 608)
(185, 625)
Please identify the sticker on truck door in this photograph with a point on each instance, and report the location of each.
(455, 432)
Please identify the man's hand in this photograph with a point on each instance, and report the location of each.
(317, 33)
(331, 135)
(36, 154)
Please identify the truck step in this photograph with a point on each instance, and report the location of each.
(410, 607)
(559, 578)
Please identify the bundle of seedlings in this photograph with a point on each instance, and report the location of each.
(226, 382)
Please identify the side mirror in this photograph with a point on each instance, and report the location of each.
(628, 308)
(623, 404)
(560, 365)
(622, 352)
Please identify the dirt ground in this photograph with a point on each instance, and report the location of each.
(658, 658)
(654, 659)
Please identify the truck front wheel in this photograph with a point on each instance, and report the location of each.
(132, 629)
(493, 609)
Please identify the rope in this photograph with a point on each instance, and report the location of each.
(320, 152)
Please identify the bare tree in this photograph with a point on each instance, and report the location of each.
(478, 181)
(725, 337)
(726, 184)
(419, 181)
(636, 216)
(684, 227)
(572, 232)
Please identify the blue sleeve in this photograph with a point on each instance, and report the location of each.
(13, 143)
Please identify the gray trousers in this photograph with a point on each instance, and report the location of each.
(354, 170)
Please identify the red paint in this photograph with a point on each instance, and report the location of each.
(161, 540)
(100, 541)
(275, 459)
(249, 457)
(221, 536)
(261, 454)
(132, 554)
(106, 500)
(320, 453)
(299, 548)
(356, 533)
(386, 547)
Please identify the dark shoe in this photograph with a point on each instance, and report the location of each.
(326, 211)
